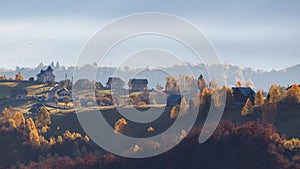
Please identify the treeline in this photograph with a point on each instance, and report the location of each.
(25, 139)
(253, 145)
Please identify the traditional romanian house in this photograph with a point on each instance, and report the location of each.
(62, 93)
(46, 76)
(115, 83)
(241, 94)
(19, 94)
(138, 84)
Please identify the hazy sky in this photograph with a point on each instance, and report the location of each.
(258, 34)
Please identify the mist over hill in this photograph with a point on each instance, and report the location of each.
(260, 79)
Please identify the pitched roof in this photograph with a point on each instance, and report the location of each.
(246, 91)
(49, 69)
(138, 81)
(42, 73)
(64, 92)
(115, 80)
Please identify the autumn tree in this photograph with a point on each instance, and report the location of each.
(293, 94)
(33, 133)
(121, 126)
(19, 76)
(59, 139)
(238, 83)
(174, 112)
(19, 120)
(274, 94)
(205, 100)
(187, 83)
(6, 114)
(184, 106)
(248, 108)
(43, 117)
(172, 85)
(259, 99)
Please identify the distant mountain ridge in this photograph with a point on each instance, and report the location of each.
(260, 79)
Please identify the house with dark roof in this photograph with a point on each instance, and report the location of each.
(46, 76)
(138, 84)
(115, 83)
(174, 99)
(241, 94)
(62, 93)
(19, 94)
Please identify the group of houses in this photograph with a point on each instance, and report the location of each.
(241, 94)
(133, 84)
(45, 77)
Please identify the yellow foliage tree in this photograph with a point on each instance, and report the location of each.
(293, 94)
(19, 120)
(184, 106)
(150, 129)
(259, 99)
(86, 138)
(68, 135)
(30, 124)
(12, 123)
(121, 126)
(248, 108)
(59, 139)
(6, 114)
(34, 138)
(43, 118)
(174, 112)
(274, 94)
(52, 141)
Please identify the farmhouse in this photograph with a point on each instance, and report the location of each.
(62, 93)
(115, 82)
(241, 94)
(19, 94)
(138, 84)
(46, 76)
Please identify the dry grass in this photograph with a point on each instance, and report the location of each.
(33, 88)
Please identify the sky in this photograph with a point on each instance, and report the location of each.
(261, 34)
